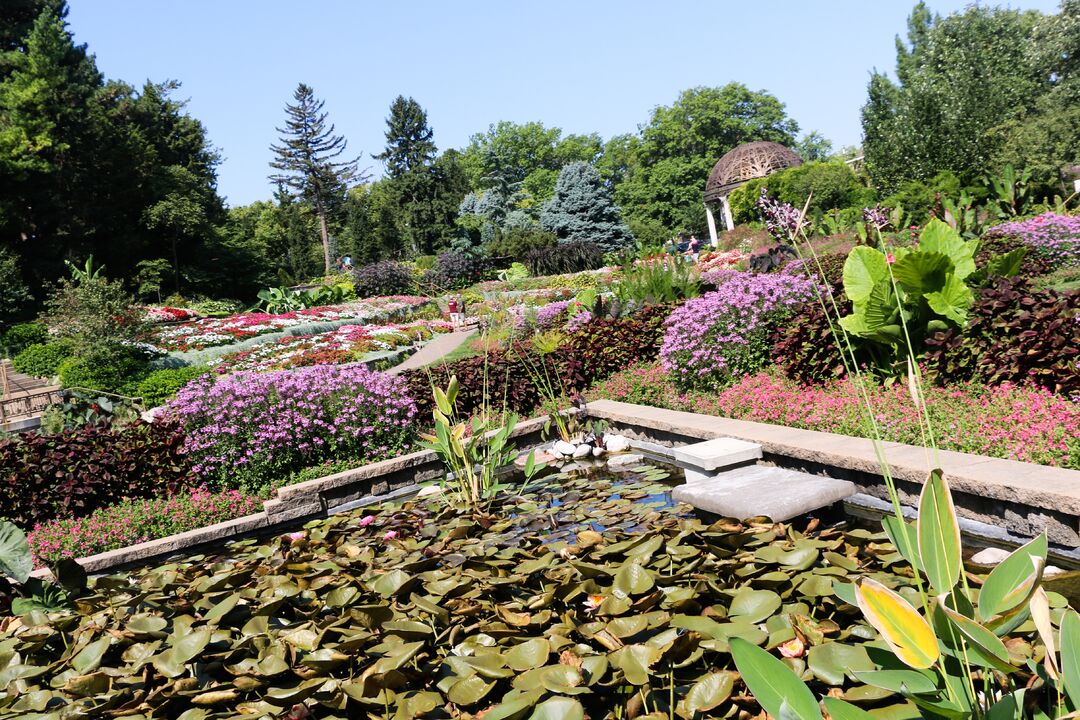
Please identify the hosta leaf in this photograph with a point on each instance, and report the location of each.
(906, 632)
(939, 534)
(777, 689)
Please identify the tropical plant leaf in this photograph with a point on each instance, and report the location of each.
(842, 710)
(908, 635)
(1070, 655)
(1012, 581)
(864, 268)
(15, 559)
(939, 534)
(777, 689)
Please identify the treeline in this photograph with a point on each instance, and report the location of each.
(96, 166)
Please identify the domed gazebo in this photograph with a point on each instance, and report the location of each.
(746, 162)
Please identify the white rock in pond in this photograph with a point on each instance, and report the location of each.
(616, 443)
(1052, 570)
(618, 461)
(582, 451)
(598, 451)
(561, 447)
(989, 556)
(429, 490)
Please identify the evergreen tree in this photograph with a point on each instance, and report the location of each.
(582, 210)
(409, 144)
(307, 159)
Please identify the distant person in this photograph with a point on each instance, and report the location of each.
(694, 247)
(346, 262)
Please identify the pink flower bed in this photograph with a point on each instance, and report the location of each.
(212, 332)
(1054, 236)
(130, 522)
(169, 314)
(1007, 421)
(717, 260)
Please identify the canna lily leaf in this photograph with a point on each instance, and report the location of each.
(908, 635)
(1070, 655)
(841, 710)
(939, 534)
(1011, 583)
(777, 689)
(983, 644)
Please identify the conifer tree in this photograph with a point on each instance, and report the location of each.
(409, 142)
(307, 159)
(582, 210)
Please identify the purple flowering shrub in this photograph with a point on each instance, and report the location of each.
(246, 429)
(714, 339)
(1051, 236)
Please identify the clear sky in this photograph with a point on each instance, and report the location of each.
(581, 65)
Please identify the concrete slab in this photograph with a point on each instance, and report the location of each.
(779, 493)
(717, 453)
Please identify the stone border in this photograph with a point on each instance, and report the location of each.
(298, 504)
(1024, 498)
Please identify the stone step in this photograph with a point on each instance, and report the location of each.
(779, 493)
(717, 453)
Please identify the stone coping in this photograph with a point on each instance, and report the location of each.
(1054, 491)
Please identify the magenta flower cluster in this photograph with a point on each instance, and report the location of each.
(253, 427)
(724, 334)
(781, 219)
(1056, 237)
(130, 522)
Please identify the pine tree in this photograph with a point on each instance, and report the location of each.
(409, 142)
(582, 210)
(307, 159)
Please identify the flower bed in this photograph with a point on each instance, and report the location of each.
(721, 260)
(1055, 237)
(133, 521)
(169, 314)
(345, 344)
(213, 332)
(244, 429)
(1007, 421)
(722, 335)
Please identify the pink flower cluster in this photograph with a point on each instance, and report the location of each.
(130, 522)
(212, 332)
(1055, 236)
(724, 334)
(169, 314)
(1018, 423)
(254, 427)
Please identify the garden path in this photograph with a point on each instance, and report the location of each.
(434, 351)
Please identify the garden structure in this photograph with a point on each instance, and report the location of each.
(744, 163)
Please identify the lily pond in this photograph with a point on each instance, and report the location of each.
(583, 595)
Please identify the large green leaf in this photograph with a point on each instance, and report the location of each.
(1012, 581)
(841, 710)
(983, 646)
(922, 272)
(908, 635)
(777, 689)
(939, 534)
(558, 708)
(864, 268)
(938, 237)
(1070, 655)
(953, 300)
(15, 559)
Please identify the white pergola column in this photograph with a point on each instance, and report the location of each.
(729, 223)
(712, 225)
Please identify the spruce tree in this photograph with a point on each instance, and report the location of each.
(307, 159)
(409, 142)
(582, 210)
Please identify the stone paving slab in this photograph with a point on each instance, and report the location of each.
(717, 453)
(778, 493)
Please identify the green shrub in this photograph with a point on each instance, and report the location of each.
(834, 186)
(515, 242)
(112, 368)
(160, 385)
(42, 359)
(19, 337)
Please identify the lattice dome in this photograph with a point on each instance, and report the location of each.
(747, 162)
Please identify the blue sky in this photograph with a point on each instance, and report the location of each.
(583, 65)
